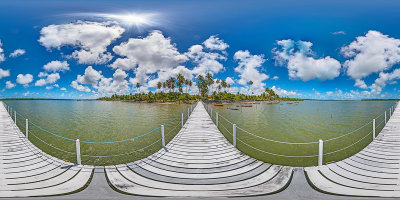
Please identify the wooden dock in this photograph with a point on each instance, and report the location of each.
(26, 171)
(199, 161)
(373, 172)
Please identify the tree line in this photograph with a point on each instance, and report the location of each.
(172, 90)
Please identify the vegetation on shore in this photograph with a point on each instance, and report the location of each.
(219, 90)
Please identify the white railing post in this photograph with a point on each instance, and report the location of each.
(188, 113)
(234, 135)
(211, 113)
(320, 152)
(78, 152)
(216, 119)
(15, 117)
(162, 136)
(390, 112)
(182, 119)
(26, 128)
(373, 128)
(385, 117)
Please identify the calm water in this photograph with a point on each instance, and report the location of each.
(102, 121)
(300, 122)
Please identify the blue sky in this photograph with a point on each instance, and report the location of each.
(308, 49)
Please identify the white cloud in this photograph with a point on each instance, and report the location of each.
(229, 80)
(275, 78)
(383, 80)
(49, 87)
(4, 73)
(248, 69)
(361, 84)
(50, 79)
(90, 39)
(208, 61)
(117, 84)
(9, 85)
(298, 58)
(371, 53)
(339, 33)
(24, 79)
(2, 57)
(148, 55)
(56, 66)
(165, 75)
(63, 89)
(91, 76)
(17, 52)
(81, 88)
(283, 93)
(215, 43)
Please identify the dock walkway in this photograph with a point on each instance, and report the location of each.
(27, 171)
(373, 172)
(199, 161)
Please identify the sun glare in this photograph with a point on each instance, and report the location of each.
(132, 19)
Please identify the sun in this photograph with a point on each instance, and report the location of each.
(133, 19)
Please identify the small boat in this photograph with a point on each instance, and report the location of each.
(233, 108)
(243, 105)
(216, 104)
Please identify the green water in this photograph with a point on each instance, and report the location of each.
(98, 121)
(102, 121)
(302, 122)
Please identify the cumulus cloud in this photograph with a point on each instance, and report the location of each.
(90, 39)
(4, 73)
(371, 53)
(208, 61)
(275, 78)
(50, 78)
(91, 76)
(101, 84)
(299, 59)
(383, 80)
(56, 66)
(248, 69)
(147, 55)
(215, 43)
(9, 85)
(229, 80)
(17, 52)
(281, 92)
(164, 75)
(24, 79)
(361, 84)
(79, 87)
(2, 57)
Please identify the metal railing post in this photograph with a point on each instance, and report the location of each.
(390, 112)
(15, 117)
(26, 128)
(385, 117)
(211, 113)
(162, 136)
(78, 152)
(216, 119)
(182, 119)
(320, 152)
(234, 135)
(188, 113)
(373, 128)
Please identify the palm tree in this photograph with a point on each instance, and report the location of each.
(138, 86)
(171, 83)
(203, 85)
(210, 79)
(181, 81)
(159, 85)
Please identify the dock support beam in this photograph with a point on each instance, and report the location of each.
(78, 152)
(373, 129)
(162, 136)
(320, 152)
(216, 119)
(234, 135)
(26, 128)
